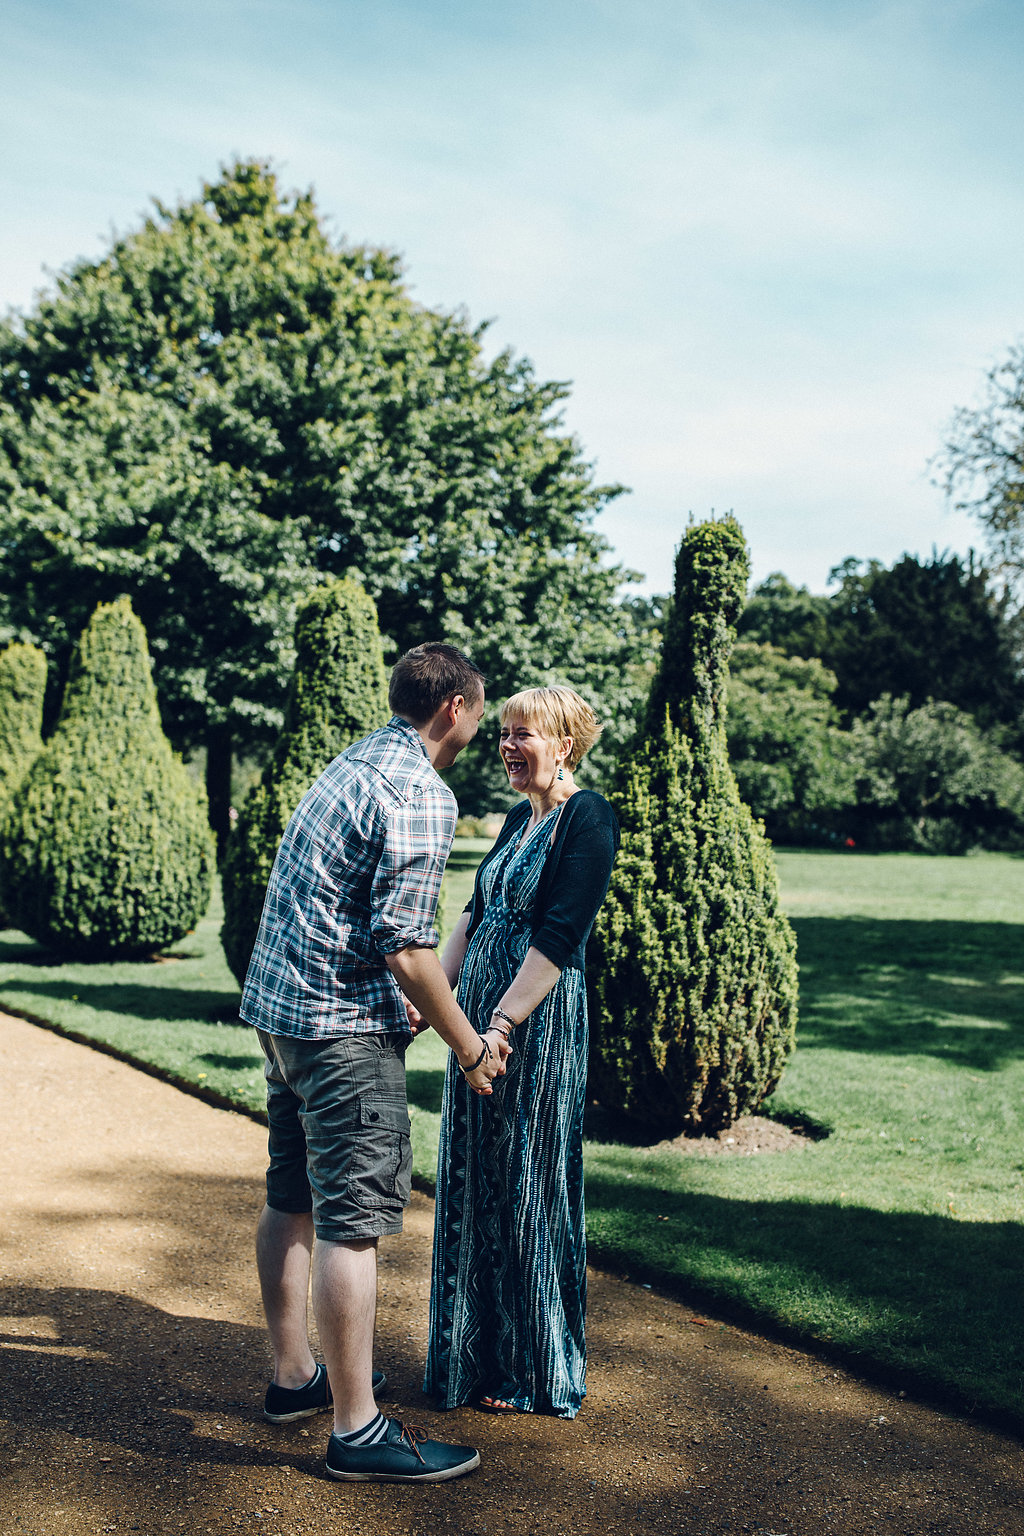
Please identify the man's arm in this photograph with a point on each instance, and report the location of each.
(419, 974)
(451, 964)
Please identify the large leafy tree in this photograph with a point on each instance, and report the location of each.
(790, 758)
(922, 629)
(931, 779)
(983, 462)
(229, 404)
(790, 618)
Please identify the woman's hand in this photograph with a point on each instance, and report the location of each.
(500, 1043)
(417, 1023)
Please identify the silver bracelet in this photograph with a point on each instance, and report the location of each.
(501, 1014)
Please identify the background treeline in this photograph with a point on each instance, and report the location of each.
(887, 713)
(231, 408)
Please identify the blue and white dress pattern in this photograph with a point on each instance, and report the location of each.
(508, 1293)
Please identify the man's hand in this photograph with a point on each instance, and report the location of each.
(493, 1064)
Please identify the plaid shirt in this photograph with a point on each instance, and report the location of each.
(357, 876)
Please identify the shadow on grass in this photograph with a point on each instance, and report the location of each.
(136, 1000)
(882, 1290)
(466, 858)
(424, 1086)
(232, 1063)
(17, 949)
(947, 989)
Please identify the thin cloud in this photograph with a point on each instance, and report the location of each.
(773, 245)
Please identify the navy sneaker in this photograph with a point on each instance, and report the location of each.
(283, 1404)
(405, 1455)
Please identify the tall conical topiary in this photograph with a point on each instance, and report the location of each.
(692, 967)
(338, 693)
(22, 689)
(106, 851)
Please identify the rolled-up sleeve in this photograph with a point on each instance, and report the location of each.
(407, 881)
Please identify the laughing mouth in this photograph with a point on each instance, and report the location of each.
(514, 764)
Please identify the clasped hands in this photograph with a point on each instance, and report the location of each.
(492, 1066)
(496, 1055)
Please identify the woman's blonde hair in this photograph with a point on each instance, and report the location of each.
(556, 712)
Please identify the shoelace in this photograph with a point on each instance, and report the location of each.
(415, 1435)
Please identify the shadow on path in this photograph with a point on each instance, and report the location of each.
(848, 1275)
(134, 1361)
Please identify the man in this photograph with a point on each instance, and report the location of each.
(344, 959)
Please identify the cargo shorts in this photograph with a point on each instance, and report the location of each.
(339, 1132)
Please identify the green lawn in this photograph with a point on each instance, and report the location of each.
(896, 1241)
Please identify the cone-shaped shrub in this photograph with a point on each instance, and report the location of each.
(692, 965)
(106, 851)
(338, 693)
(22, 688)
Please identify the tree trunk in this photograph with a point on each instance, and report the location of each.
(218, 782)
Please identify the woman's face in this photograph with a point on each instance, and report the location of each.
(531, 759)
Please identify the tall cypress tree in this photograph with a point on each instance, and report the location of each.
(106, 851)
(22, 689)
(338, 693)
(693, 967)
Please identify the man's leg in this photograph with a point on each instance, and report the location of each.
(353, 1163)
(284, 1245)
(345, 1308)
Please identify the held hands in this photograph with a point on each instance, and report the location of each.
(495, 1052)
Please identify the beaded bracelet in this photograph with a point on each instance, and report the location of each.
(501, 1014)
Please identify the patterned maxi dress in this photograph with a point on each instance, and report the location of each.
(508, 1293)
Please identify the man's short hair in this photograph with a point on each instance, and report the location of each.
(427, 677)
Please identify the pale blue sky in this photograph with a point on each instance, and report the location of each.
(773, 244)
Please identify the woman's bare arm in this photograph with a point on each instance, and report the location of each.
(529, 986)
(455, 951)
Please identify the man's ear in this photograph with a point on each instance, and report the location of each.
(456, 704)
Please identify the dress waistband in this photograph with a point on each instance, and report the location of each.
(498, 912)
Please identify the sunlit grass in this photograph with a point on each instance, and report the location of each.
(896, 1240)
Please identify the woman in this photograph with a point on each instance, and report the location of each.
(508, 1288)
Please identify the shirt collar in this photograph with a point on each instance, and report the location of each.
(396, 723)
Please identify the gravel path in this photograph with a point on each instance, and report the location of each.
(134, 1363)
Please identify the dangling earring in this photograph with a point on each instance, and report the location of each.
(559, 775)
